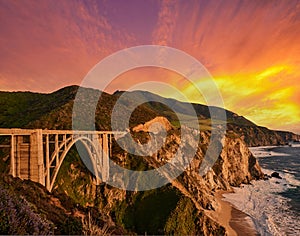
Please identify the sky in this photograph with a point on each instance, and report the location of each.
(250, 47)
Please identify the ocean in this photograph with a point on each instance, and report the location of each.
(273, 204)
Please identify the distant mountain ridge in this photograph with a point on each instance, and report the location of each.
(54, 111)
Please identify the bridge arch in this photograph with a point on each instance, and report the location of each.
(38, 154)
(91, 148)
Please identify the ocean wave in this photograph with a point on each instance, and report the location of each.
(289, 171)
(270, 211)
(266, 151)
(288, 179)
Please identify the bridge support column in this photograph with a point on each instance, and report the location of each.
(105, 158)
(47, 163)
(13, 165)
(19, 160)
(19, 157)
(36, 157)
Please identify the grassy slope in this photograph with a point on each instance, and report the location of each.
(148, 211)
(54, 111)
(18, 109)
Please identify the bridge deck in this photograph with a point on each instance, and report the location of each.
(15, 131)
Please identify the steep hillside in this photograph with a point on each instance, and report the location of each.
(18, 109)
(54, 111)
(78, 206)
(159, 211)
(27, 208)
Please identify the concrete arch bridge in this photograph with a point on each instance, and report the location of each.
(38, 154)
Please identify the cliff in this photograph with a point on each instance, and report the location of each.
(91, 208)
(190, 196)
(262, 136)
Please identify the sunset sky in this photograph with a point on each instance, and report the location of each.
(251, 48)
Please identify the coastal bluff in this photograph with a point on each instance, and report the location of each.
(191, 197)
(88, 206)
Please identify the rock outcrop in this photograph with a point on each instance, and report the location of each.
(261, 136)
(190, 191)
(236, 164)
(155, 125)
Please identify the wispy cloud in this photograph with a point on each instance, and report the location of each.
(166, 23)
(252, 50)
(48, 45)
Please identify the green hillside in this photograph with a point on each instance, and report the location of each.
(54, 111)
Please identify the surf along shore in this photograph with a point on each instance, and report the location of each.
(236, 222)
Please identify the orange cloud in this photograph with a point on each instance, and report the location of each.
(266, 97)
(252, 50)
(165, 26)
(45, 46)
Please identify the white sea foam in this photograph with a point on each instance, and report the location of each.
(261, 200)
(295, 144)
(260, 152)
(269, 210)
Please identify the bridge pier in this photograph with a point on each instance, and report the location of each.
(27, 161)
(36, 157)
(105, 156)
(47, 153)
(12, 156)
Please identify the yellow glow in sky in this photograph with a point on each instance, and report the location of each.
(267, 97)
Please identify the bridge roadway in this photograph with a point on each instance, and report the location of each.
(38, 154)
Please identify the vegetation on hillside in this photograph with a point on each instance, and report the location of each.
(54, 111)
(78, 206)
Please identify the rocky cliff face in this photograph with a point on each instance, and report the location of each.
(262, 136)
(189, 197)
(236, 164)
(183, 206)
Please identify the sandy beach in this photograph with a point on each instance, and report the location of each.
(236, 222)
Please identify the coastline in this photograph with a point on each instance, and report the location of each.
(270, 201)
(240, 223)
(235, 221)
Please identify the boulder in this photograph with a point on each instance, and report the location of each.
(276, 175)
